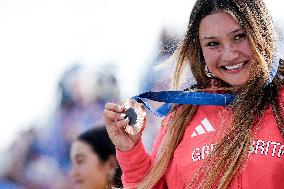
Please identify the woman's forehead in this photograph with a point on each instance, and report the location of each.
(220, 23)
(80, 147)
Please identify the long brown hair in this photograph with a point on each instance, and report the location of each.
(252, 98)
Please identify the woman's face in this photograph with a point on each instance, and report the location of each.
(88, 171)
(225, 48)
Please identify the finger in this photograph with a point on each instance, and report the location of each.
(116, 123)
(121, 123)
(108, 124)
(114, 107)
(112, 116)
(108, 121)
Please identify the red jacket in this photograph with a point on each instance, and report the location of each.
(264, 168)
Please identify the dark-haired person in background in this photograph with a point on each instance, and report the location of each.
(94, 165)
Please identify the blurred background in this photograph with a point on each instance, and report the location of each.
(61, 60)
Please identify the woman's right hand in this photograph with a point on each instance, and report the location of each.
(115, 122)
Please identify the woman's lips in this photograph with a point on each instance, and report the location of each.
(234, 68)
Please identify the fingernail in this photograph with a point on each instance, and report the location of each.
(126, 119)
(123, 116)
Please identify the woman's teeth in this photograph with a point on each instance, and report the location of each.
(236, 66)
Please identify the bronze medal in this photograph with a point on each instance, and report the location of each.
(136, 114)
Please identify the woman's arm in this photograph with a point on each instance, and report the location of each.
(136, 163)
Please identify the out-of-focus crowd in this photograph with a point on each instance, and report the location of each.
(40, 156)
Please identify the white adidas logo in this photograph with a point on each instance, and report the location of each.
(203, 128)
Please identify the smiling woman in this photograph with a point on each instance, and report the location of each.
(225, 48)
(231, 47)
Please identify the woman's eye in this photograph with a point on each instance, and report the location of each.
(79, 161)
(212, 44)
(240, 37)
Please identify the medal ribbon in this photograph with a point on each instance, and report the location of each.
(182, 97)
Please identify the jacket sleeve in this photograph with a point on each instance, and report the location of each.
(136, 163)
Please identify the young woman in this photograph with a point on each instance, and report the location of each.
(231, 47)
(94, 165)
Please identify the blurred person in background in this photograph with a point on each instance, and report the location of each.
(13, 164)
(158, 80)
(25, 168)
(82, 95)
(74, 113)
(94, 165)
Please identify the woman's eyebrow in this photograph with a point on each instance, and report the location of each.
(209, 37)
(214, 37)
(237, 30)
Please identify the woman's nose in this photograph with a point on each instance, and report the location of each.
(229, 53)
(73, 172)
